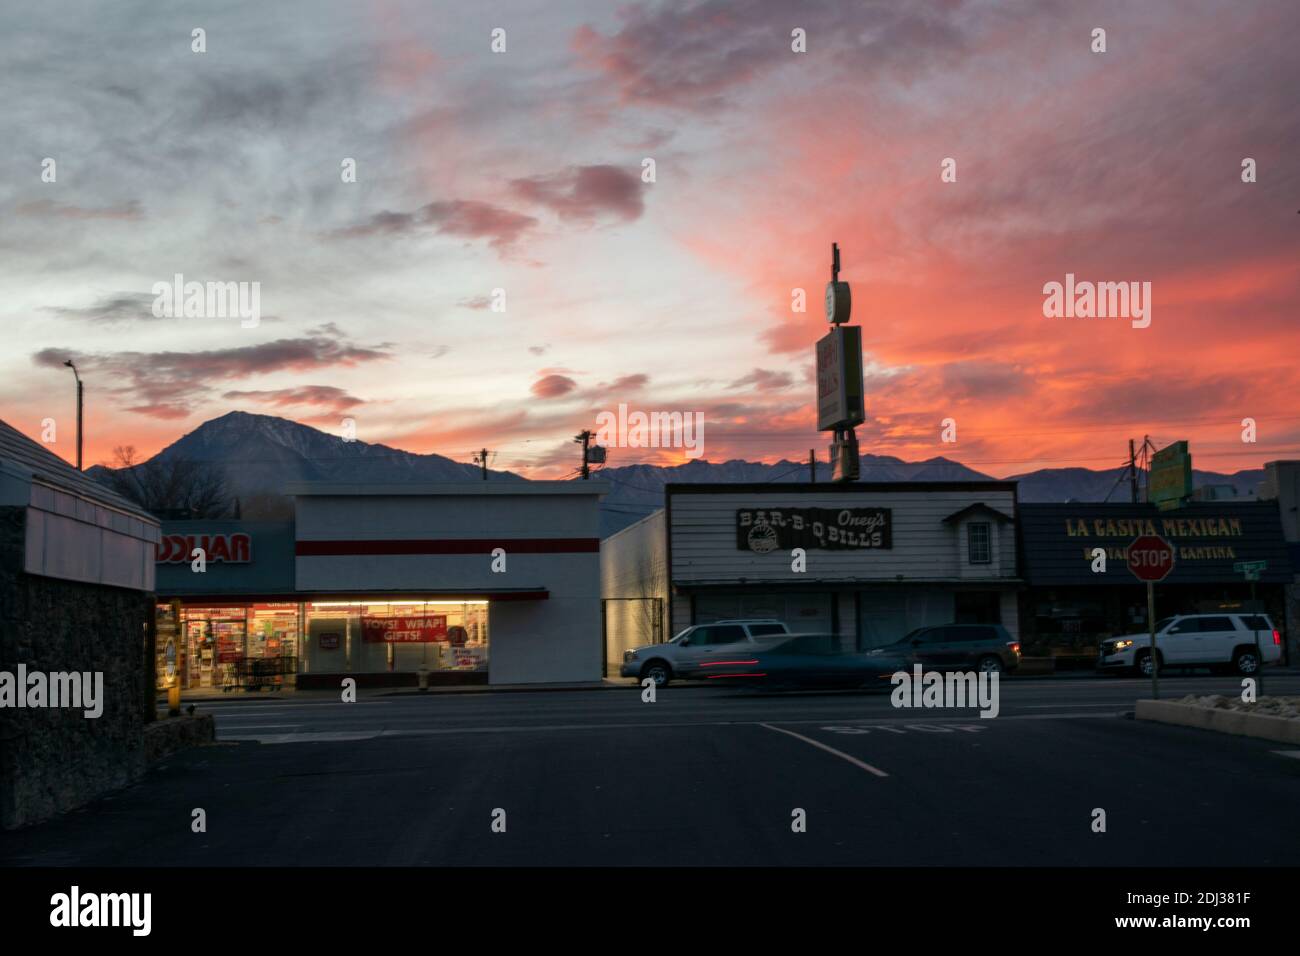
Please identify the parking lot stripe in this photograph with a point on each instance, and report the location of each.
(831, 750)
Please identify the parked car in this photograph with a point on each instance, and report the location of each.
(1218, 641)
(797, 660)
(958, 647)
(662, 662)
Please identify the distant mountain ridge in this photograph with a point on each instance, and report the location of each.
(264, 453)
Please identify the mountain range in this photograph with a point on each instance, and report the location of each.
(263, 453)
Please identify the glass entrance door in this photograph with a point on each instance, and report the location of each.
(215, 643)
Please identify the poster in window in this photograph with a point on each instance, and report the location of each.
(404, 630)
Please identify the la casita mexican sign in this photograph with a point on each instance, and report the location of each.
(1227, 529)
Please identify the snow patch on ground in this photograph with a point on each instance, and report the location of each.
(1288, 707)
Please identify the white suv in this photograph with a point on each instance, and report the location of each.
(1217, 641)
(660, 662)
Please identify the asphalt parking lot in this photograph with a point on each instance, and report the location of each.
(700, 776)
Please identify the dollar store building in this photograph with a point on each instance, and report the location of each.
(475, 582)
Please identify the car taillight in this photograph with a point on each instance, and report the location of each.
(1015, 646)
(1277, 638)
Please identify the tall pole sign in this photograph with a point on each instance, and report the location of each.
(840, 403)
(1169, 483)
(1151, 559)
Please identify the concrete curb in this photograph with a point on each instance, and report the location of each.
(1240, 723)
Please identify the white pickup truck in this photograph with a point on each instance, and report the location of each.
(1219, 641)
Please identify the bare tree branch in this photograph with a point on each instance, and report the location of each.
(172, 487)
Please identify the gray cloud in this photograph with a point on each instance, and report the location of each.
(49, 209)
(322, 396)
(111, 310)
(691, 55)
(167, 384)
(764, 380)
(585, 193)
(466, 218)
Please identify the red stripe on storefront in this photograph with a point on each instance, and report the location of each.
(367, 597)
(449, 546)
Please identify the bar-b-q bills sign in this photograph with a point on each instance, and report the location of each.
(832, 529)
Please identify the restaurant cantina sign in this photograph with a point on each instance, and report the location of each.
(761, 530)
(1227, 531)
(217, 548)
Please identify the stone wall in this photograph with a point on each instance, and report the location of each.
(53, 760)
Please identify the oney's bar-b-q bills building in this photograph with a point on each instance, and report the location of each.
(881, 558)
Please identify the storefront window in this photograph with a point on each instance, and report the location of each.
(247, 647)
(802, 612)
(403, 636)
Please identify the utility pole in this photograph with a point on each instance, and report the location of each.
(585, 438)
(1132, 473)
(1147, 443)
(80, 406)
(812, 465)
(482, 459)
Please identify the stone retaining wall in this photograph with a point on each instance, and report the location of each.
(53, 760)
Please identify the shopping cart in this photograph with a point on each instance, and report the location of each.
(258, 673)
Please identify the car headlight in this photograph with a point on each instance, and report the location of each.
(1120, 645)
(628, 655)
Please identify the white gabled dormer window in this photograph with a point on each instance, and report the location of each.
(979, 547)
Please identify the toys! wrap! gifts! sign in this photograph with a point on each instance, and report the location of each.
(404, 630)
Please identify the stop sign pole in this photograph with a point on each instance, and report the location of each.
(1151, 559)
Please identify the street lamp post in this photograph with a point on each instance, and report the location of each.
(80, 404)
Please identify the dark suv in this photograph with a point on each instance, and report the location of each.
(958, 647)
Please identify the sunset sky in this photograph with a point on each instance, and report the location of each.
(522, 171)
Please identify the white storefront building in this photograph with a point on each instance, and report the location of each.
(389, 583)
(867, 561)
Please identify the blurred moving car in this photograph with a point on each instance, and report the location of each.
(1217, 641)
(799, 660)
(662, 662)
(958, 647)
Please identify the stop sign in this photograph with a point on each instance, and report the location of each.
(1150, 558)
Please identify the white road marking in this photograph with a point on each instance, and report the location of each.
(230, 706)
(830, 750)
(1288, 753)
(325, 737)
(245, 727)
(1046, 706)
